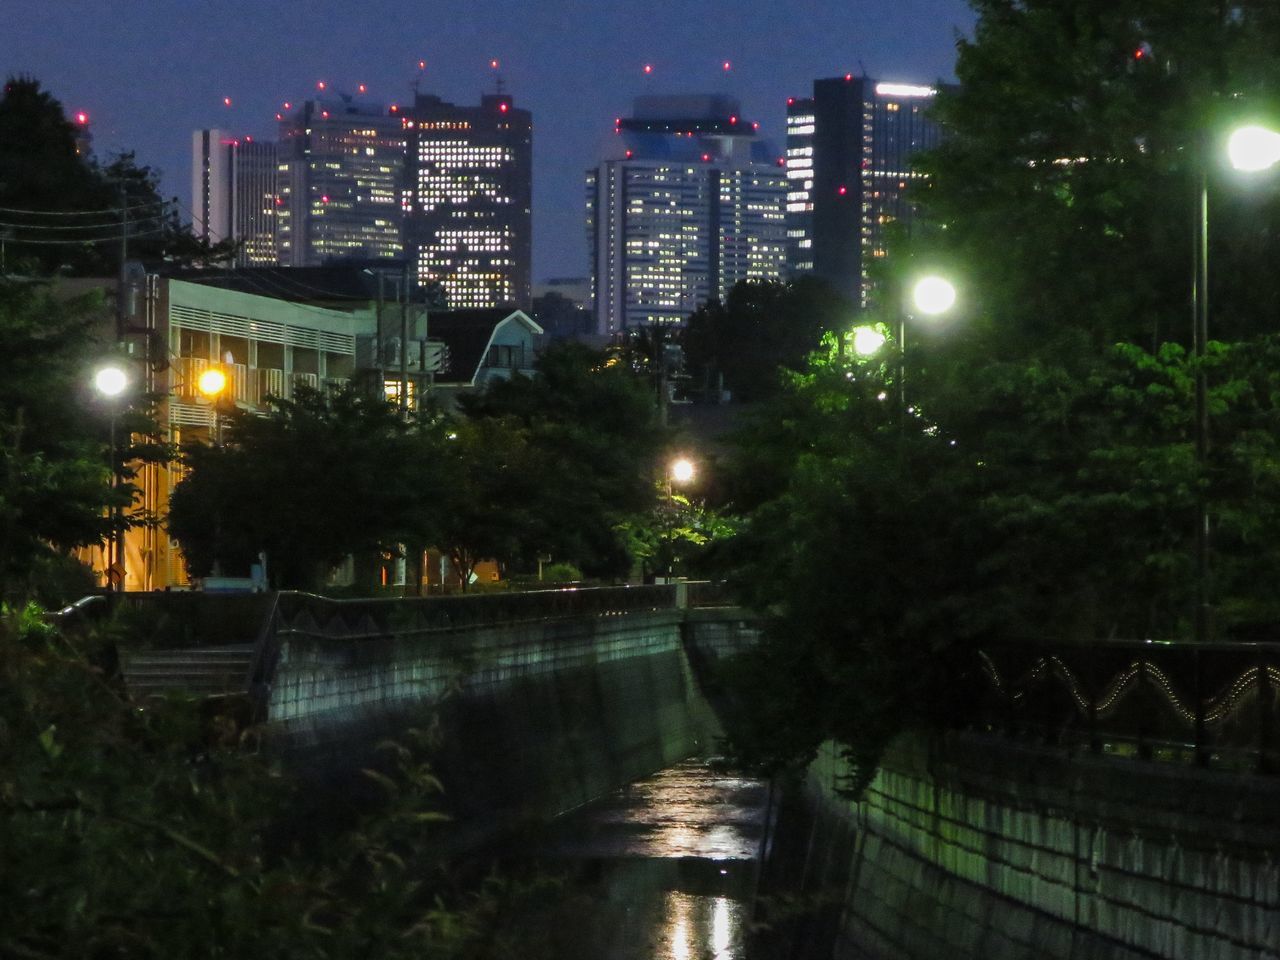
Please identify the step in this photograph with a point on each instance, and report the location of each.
(196, 670)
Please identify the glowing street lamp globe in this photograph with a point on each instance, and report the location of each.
(933, 295)
(212, 382)
(867, 341)
(110, 381)
(1251, 149)
(682, 470)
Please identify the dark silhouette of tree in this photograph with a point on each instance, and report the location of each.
(762, 328)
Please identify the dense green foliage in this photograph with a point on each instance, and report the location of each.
(1042, 481)
(593, 428)
(54, 466)
(163, 832)
(544, 466)
(760, 327)
(320, 477)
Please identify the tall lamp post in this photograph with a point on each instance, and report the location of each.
(1250, 149)
(110, 382)
(212, 383)
(681, 471)
(931, 295)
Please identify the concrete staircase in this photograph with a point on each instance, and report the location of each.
(196, 671)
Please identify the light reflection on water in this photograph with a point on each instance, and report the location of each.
(668, 864)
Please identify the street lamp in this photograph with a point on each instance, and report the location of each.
(1249, 149)
(932, 296)
(111, 381)
(867, 341)
(681, 471)
(212, 383)
(1253, 148)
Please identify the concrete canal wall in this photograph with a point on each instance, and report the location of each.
(534, 717)
(976, 848)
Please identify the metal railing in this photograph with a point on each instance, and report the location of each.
(1212, 704)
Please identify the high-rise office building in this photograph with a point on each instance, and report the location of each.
(468, 197)
(340, 169)
(686, 203)
(849, 174)
(234, 192)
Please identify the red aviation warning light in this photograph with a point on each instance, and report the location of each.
(706, 158)
(848, 77)
(288, 105)
(648, 68)
(226, 101)
(82, 118)
(503, 107)
(361, 88)
(422, 64)
(726, 66)
(395, 108)
(320, 85)
(842, 190)
(733, 119)
(493, 64)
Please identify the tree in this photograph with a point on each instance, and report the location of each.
(676, 535)
(318, 478)
(491, 495)
(160, 830)
(1043, 481)
(762, 326)
(62, 211)
(591, 423)
(54, 465)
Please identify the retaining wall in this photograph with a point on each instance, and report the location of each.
(976, 847)
(535, 717)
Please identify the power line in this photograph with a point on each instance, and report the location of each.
(82, 213)
(82, 240)
(77, 226)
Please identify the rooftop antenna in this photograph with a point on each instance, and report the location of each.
(497, 76)
(417, 79)
(863, 67)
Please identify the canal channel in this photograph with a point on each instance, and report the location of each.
(666, 868)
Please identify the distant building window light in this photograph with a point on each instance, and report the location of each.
(903, 90)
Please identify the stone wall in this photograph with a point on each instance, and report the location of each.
(975, 847)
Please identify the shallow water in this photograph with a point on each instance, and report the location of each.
(665, 868)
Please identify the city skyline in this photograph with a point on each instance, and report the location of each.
(575, 67)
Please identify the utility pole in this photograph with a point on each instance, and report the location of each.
(379, 347)
(124, 256)
(404, 340)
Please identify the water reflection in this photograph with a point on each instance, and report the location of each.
(668, 865)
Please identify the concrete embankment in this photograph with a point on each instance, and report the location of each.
(535, 718)
(978, 848)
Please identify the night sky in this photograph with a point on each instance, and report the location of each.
(149, 72)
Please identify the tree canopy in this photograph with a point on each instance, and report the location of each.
(762, 326)
(548, 465)
(1042, 480)
(55, 468)
(319, 477)
(61, 208)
